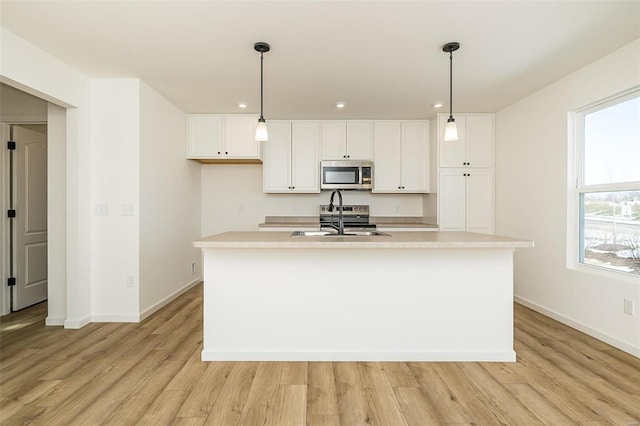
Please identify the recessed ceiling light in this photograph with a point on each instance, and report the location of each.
(242, 104)
(437, 104)
(340, 105)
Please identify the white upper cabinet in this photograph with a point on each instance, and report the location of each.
(222, 137)
(291, 157)
(204, 136)
(475, 144)
(276, 169)
(401, 156)
(347, 140)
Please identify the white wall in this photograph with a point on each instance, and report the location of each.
(56, 215)
(115, 134)
(28, 68)
(232, 199)
(169, 203)
(532, 196)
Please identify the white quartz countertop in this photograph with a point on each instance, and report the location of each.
(399, 239)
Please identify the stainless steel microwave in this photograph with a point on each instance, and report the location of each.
(346, 174)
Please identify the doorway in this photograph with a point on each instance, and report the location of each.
(28, 220)
(23, 190)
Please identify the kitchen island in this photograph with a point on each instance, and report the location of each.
(410, 296)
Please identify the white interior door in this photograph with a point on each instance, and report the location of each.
(30, 223)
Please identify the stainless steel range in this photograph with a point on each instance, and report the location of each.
(354, 217)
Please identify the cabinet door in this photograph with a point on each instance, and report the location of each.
(240, 136)
(276, 167)
(479, 201)
(334, 140)
(452, 154)
(305, 156)
(359, 140)
(479, 136)
(204, 136)
(451, 200)
(415, 156)
(387, 156)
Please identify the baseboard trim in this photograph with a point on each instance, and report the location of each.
(77, 323)
(597, 334)
(51, 321)
(170, 298)
(506, 356)
(115, 318)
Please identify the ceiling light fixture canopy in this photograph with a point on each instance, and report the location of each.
(451, 131)
(261, 130)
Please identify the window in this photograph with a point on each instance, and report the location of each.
(608, 184)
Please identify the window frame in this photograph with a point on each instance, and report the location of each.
(577, 187)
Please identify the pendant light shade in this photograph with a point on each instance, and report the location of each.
(262, 134)
(451, 130)
(261, 130)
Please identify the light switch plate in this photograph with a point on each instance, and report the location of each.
(127, 210)
(101, 209)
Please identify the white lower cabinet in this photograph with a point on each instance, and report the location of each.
(466, 200)
(291, 157)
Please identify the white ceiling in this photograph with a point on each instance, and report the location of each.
(383, 58)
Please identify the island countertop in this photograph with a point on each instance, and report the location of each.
(414, 240)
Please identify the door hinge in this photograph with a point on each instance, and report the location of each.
(11, 213)
(11, 145)
(11, 281)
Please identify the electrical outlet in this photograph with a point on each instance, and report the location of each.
(397, 209)
(629, 307)
(193, 268)
(130, 281)
(292, 209)
(240, 209)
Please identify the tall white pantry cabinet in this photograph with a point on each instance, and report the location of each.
(466, 174)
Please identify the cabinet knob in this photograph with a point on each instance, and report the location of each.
(348, 156)
(226, 153)
(218, 152)
(293, 187)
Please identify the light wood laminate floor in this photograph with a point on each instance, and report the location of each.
(151, 374)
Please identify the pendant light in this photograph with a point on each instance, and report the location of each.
(261, 130)
(450, 130)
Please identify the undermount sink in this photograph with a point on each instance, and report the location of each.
(335, 234)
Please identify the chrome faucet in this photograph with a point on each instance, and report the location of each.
(340, 217)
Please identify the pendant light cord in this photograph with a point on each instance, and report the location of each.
(451, 84)
(261, 84)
